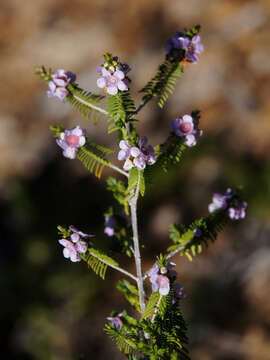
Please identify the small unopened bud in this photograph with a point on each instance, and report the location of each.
(112, 69)
(163, 270)
(147, 336)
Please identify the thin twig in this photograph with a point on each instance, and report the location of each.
(137, 255)
(142, 104)
(116, 168)
(171, 254)
(115, 267)
(97, 108)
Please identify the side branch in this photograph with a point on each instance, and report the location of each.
(172, 253)
(116, 168)
(115, 267)
(94, 107)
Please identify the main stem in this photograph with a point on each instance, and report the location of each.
(137, 255)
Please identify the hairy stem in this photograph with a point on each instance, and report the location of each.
(137, 255)
(116, 168)
(115, 267)
(97, 108)
(156, 309)
(181, 247)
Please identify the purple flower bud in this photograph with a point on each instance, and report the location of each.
(80, 233)
(172, 273)
(178, 292)
(116, 321)
(70, 140)
(197, 232)
(173, 43)
(110, 223)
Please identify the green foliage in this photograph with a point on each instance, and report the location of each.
(151, 305)
(122, 338)
(133, 179)
(170, 152)
(163, 83)
(131, 293)
(120, 108)
(85, 102)
(169, 333)
(98, 261)
(119, 191)
(190, 245)
(93, 157)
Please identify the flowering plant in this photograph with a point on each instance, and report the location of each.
(158, 331)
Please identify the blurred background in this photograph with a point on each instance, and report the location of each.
(51, 309)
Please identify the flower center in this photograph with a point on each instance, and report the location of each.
(191, 48)
(72, 140)
(185, 127)
(112, 80)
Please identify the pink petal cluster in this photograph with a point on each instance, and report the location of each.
(75, 246)
(112, 81)
(186, 127)
(135, 156)
(57, 86)
(70, 140)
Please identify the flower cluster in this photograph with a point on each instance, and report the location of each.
(57, 86)
(187, 127)
(192, 46)
(135, 156)
(116, 320)
(70, 140)
(161, 282)
(75, 246)
(237, 208)
(113, 75)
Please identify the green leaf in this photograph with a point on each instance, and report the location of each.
(132, 179)
(131, 293)
(209, 226)
(142, 184)
(123, 340)
(119, 191)
(92, 156)
(151, 305)
(98, 261)
(85, 102)
(164, 82)
(120, 108)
